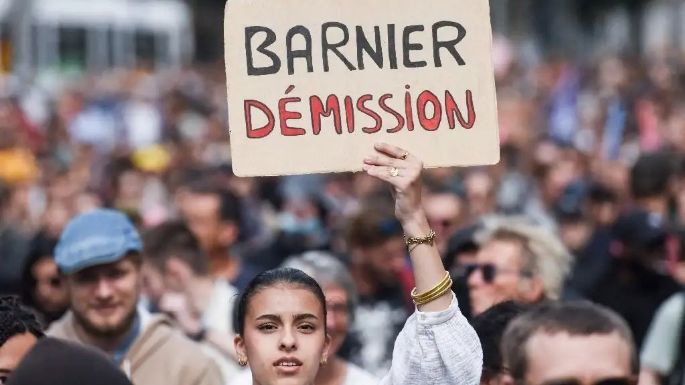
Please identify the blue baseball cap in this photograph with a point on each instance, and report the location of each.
(94, 238)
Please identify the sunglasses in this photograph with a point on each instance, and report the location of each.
(489, 271)
(605, 381)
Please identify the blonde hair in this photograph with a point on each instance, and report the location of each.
(545, 256)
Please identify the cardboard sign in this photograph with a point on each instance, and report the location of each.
(312, 84)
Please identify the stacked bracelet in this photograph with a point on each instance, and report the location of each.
(431, 295)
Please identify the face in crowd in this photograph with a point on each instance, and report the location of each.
(377, 246)
(282, 328)
(444, 212)
(501, 274)
(202, 213)
(104, 297)
(385, 260)
(49, 292)
(564, 359)
(12, 352)
(576, 343)
(19, 333)
(338, 317)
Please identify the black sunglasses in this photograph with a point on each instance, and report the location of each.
(489, 271)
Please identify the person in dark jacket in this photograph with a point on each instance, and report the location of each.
(56, 362)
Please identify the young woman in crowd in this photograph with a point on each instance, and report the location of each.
(281, 315)
(43, 288)
(341, 302)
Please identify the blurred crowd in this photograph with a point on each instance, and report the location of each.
(588, 202)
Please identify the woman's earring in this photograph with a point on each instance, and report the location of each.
(324, 361)
(242, 361)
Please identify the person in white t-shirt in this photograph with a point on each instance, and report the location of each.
(661, 357)
(341, 299)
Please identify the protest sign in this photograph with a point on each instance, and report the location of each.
(312, 84)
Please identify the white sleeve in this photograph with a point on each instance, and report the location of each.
(439, 348)
(659, 351)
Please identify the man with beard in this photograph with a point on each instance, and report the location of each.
(381, 273)
(99, 253)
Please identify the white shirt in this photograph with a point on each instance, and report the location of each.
(218, 316)
(219, 313)
(660, 349)
(358, 376)
(355, 376)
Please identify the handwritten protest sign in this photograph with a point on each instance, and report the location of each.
(312, 84)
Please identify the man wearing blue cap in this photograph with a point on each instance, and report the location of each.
(99, 253)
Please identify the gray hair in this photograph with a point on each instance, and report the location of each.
(546, 256)
(326, 270)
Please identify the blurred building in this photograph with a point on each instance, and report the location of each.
(92, 35)
(79, 35)
(585, 28)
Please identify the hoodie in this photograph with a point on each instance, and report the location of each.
(160, 355)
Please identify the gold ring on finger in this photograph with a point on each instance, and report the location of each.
(404, 156)
(394, 171)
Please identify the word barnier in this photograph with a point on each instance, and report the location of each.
(335, 107)
(363, 47)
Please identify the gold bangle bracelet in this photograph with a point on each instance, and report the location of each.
(435, 289)
(437, 293)
(434, 296)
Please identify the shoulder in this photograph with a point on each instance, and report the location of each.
(224, 287)
(61, 328)
(171, 349)
(242, 378)
(161, 337)
(673, 307)
(359, 376)
(666, 324)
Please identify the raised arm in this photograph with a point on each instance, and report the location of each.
(403, 172)
(437, 345)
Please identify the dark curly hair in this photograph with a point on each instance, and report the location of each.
(490, 326)
(16, 319)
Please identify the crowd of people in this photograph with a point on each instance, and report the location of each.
(568, 251)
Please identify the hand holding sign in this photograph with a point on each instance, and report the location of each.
(312, 84)
(402, 171)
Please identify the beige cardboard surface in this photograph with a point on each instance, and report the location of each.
(375, 97)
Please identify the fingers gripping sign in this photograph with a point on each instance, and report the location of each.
(402, 171)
